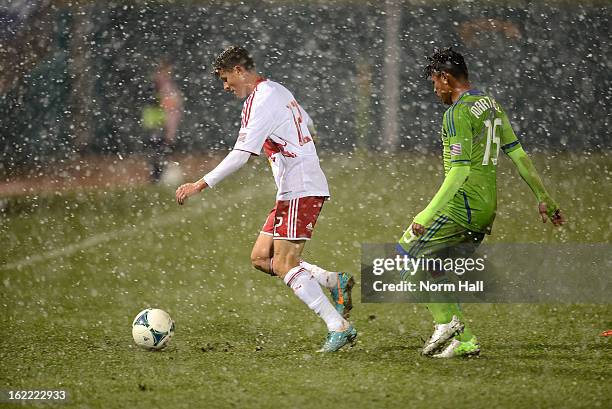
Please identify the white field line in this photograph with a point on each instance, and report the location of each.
(154, 221)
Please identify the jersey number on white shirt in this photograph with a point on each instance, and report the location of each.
(296, 112)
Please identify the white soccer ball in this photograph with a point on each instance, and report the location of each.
(152, 328)
(172, 176)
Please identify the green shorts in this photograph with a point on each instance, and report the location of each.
(443, 238)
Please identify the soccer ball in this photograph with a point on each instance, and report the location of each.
(172, 176)
(152, 328)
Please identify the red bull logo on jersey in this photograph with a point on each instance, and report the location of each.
(271, 148)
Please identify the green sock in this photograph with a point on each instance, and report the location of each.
(443, 314)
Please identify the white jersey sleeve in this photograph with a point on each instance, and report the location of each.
(232, 162)
(257, 124)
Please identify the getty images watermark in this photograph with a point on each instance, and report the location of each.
(493, 273)
(407, 267)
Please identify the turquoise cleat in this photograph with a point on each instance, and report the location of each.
(337, 339)
(342, 294)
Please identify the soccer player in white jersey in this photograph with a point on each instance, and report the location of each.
(272, 120)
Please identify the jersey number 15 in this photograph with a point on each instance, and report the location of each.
(491, 138)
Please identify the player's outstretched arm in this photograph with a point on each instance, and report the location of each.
(452, 182)
(187, 190)
(547, 207)
(232, 162)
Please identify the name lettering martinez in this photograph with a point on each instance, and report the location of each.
(484, 104)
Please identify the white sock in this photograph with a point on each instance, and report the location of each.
(327, 279)
(309, 291)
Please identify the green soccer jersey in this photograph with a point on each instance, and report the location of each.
(474, 129)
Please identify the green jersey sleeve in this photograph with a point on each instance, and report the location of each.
(509, 141)
(458, 127)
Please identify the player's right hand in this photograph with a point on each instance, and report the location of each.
(417, 229)
(556, 218)
(188, 189)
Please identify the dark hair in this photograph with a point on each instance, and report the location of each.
(232, 56)
(446, 60)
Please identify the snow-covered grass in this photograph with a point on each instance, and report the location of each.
(77, 267)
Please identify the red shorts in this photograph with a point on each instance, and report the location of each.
(294, 219)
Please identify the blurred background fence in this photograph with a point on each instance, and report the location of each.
(75, 77)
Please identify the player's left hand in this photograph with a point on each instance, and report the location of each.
(188, 189)
(417, 229)
(556, 218)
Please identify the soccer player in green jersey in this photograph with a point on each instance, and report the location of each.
(475, 128)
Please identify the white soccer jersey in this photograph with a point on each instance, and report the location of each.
(273, 120)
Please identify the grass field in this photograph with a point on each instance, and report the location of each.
(77, 267)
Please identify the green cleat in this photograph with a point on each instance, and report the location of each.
(342, 294)
(458, 349)
(337, 339)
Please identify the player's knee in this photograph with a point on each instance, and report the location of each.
(261, 263)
